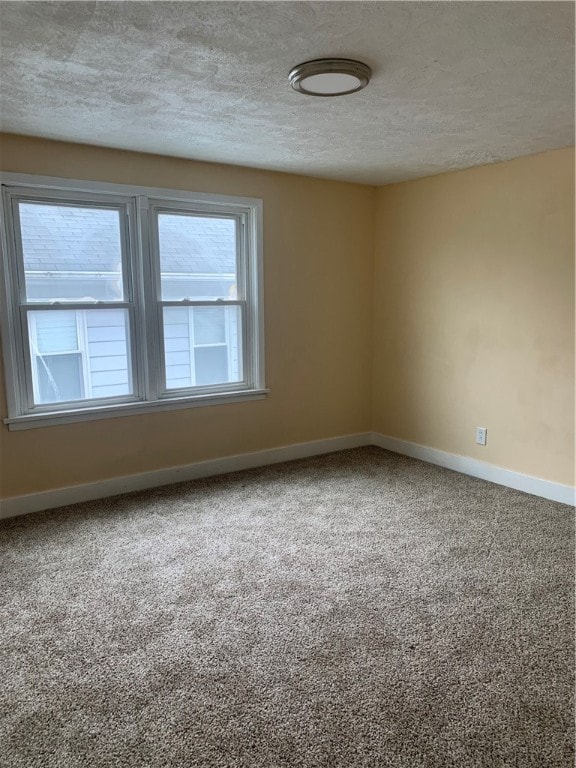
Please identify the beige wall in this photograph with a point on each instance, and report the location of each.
(474, 313)
(418, 310)
(318, 257)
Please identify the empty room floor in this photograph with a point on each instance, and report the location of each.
(355, 609)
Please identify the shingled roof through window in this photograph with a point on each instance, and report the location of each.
(62, 238)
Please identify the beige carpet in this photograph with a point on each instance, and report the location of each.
(358, 609)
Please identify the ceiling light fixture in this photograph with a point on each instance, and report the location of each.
(330, 77)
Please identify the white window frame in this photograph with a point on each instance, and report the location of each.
(143, 300)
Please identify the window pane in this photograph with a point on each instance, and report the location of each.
(100, 366)
(211, 365)
(209, 325)
(71, 253)
(59, 378)
(197, 257)
(56, 331)
(202, 346)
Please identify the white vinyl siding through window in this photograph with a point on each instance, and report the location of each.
(120, 299)
(107, 351)
(79, 355)
(202, 346)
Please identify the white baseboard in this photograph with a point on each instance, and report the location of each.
(565, 494)
(34, 502)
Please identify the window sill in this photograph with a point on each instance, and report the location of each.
(32, 421)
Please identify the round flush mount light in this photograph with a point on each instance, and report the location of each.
(330, 77)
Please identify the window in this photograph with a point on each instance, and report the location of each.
(124, 299)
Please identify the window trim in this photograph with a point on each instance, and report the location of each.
(142, 296)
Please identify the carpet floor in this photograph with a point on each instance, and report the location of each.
(356, 609)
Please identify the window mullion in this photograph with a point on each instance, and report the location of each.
(149, 264)
(132, 275)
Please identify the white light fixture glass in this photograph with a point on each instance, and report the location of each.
(330, 77)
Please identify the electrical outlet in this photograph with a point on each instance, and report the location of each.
(481, 435)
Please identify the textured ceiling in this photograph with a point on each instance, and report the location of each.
(455, 84)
